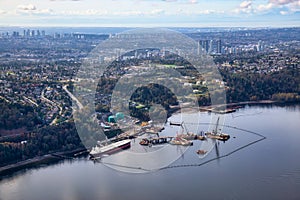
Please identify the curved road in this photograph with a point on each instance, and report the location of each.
(54, 105)
(80, 106)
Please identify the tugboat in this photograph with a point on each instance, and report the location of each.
(201, 136)
(145, 142)
(201, 152)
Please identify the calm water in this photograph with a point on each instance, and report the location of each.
(269, 169)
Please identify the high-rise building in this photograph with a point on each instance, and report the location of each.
(56, 35)
(203, 46)
(15, 34)
(219, 46)
(27, 33)
(210, 48)
(260, 46)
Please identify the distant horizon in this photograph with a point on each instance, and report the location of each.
(149, 26)
(150, 13)
(113, 30)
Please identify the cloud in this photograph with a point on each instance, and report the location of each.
(197, 12)
(282, 2)
(43, 12)
(244, 7)
(127, 13)
(265, 7)
(284, 12)
(27, 7)
(157, 12)
(89, 12)
(193, 1)
(102, 13)
(208, 12)
(295, 6)
(32, 10)
(2, 12)
(245, 4)
(283, 7)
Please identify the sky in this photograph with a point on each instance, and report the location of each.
(150, 13)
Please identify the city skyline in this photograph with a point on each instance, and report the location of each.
(150, 13)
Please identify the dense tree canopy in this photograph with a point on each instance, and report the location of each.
(14, 115)
(45, 140)
(246, 86)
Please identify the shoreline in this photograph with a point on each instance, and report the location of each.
(57, 156)
(230, 105)
(45, 159)
(242, 103)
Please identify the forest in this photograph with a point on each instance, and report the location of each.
(283, 86)
(15, 115)
(48, 139)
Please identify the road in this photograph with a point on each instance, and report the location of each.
(80, 106)
(43, 98)
(30, 101)
(1, 97)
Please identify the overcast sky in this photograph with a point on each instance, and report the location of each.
(168, 13)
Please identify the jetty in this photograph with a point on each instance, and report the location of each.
(154, 141)
(218, 111)
(175, 124)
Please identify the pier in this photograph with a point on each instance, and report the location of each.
(154, 141)
(215, 110)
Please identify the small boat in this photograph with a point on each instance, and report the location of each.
(109, 149)
(201, 137)
(144, 142)
(201, 152)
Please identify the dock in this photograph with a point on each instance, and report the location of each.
(175, 124)
(154, 141)
(214, 110)
(222, 136)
